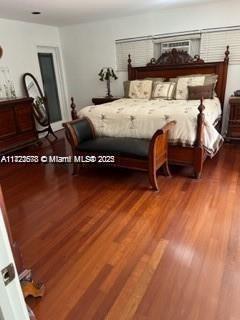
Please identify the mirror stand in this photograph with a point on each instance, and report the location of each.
(43, 119)
(40, 105)
(49, 131)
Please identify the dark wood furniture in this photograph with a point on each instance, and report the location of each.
(138, 154)
(179, 63)
(233, 133)
(29, 287)
(103, 100)
(17, 126)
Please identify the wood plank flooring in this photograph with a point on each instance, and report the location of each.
(107, 247)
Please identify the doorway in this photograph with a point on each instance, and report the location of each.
(12, 304)
(50, 69)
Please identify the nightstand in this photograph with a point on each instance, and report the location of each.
(234, 119)
(102, 100)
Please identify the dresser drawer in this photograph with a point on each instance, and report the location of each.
(8, 126)
(234, 123)
(234, 112)
(24, 117)
(14, 141)
(17, 126)
(234, 131)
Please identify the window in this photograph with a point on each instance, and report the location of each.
(213, 45)
(209, 44)
(189, 42)
(141, 52)
(181, 45)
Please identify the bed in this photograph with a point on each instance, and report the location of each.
(196, 134)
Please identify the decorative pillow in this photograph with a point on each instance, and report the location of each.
(173, 80)
(184, 82)
(163, 90)
(156, 79)
(126, 86)
(140, 89)
(198, 92)
(211, 79)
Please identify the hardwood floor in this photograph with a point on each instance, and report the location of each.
(107, 247)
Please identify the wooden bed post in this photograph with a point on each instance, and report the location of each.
(200, 124)
(129, 66)
(199, 150)
(73, 107)
(227, 52)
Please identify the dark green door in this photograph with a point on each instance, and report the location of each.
(50, 85)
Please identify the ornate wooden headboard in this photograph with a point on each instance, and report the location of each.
(178, 63)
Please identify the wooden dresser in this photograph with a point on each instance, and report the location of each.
(17, 126)
(234, 119)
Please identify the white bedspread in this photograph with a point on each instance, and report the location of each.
(140, 118)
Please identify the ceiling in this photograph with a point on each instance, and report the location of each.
(67, 12)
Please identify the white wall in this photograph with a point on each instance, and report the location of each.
(90, 46)
(19, 41)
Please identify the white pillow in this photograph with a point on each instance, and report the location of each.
(140, 89)
(163, 90)
(184, 82)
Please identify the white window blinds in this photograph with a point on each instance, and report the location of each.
(141, 53)
(213, 46)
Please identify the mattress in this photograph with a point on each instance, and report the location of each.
(141, 118)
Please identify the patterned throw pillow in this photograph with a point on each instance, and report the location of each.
(211, 79)
(126, 86)
(198, 92)
(155, 79)
(140, 89)
(184, 82)
(163, 90)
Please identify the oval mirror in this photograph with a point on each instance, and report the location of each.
(34, 91)
(40, 107)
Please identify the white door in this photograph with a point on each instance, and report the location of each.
(12, 304)
(53, 84)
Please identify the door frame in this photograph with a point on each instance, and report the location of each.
(58, 68)
(12, 304)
